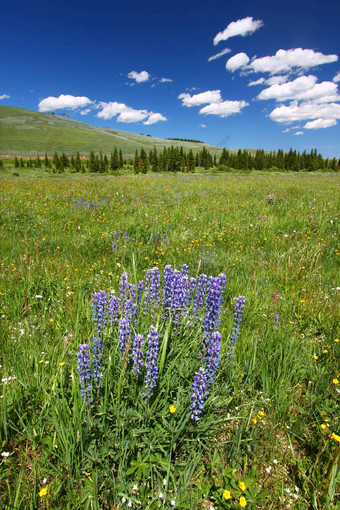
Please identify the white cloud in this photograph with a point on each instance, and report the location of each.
(62, 102)
(320, 123)
(220, 54)
(336, 78)
(132, 115)
(303, 88)
(260, 81)
(299, 133)
(154, 118)
(203, 125)
(305, 111)
(285, 60)
(4, 96)
(243, 27)
(224, 109)
(127, 114)
(210, 96)
(165, 80)
(273, 80)
(85, 112)
(237, 61)
(286, 130)
(139, 77)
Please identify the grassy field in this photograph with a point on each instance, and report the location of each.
(26, 132)
(268, 436)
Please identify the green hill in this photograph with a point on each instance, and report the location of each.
(26, 132)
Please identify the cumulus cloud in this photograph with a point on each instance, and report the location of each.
(320, 123)
(299, 133)
(305, 111)
(260, 81)
(154, 118)
(270, 81)
(303, 88)
(4, 96)
(286, 60)
(210, 96)
(336, 78)
(243, 27)
(165, 80)
(85, 112)
(224, 109)
(220, 54)
(237, 61)
(127, 114)
(139, 77)
(63, 102)
(273, 80)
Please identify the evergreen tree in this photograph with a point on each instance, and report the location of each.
(16, 162)
(136, 163)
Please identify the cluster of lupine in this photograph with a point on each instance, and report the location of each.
(237, 319)
(183, 301)
(119, 236)
(84, 203)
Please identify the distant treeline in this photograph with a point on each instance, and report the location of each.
(185, 140)
(175, 159)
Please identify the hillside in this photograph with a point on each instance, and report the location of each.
(26, 132)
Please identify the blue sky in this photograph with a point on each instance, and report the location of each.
(146, 67)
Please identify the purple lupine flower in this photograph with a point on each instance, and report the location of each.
(137, 354)
(213, 306)
(113, 246)
(276, 321)
(133, 300)
(184, 269)
(124, 334)
(115, 236)
(152, 289)
(97, 351)
(123, 290)
(126, 237)
(151, 364)
(99, 310)
(113, 308)
(165, 241)
(140, 287)
(84, 369)
(237, 319)
(212, 359)
(179, 294)
(199, 388)
(200, 298)
(167, 289)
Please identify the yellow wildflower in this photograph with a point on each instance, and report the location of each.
(335, 381)
(323, 426)
(43, 492)
(227, 494)
(172, 409)
(336, 340)
(254, 420)
(242, 486)
(41, 361)
(61, 364)
(243, 502)
(335, 436)
(315, 357)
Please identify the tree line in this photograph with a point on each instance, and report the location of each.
(175, 159)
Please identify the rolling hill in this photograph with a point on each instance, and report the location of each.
(26, 132)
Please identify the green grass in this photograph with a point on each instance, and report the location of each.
(282, 254)
(26, 132)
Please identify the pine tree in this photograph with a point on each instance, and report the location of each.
(16, 162)
(136, 162)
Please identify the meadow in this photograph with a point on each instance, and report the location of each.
(264, 434)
